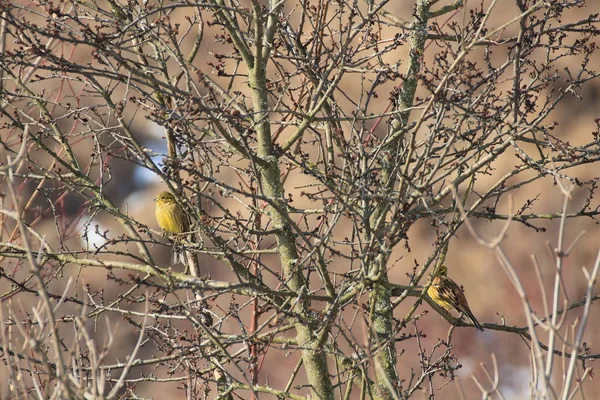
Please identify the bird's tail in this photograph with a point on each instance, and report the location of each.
(474, 320)
(178, 255)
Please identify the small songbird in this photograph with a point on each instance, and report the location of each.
(172, 219)
(448, 295)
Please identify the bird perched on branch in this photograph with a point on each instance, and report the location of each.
(172, 218)
(448, 295)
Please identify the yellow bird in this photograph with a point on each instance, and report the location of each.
(172, 219)
(448, 295)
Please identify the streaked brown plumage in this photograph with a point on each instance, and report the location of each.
(448, 295)
(172, 219)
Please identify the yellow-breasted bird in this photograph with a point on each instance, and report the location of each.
(172, 218)
(448, 295)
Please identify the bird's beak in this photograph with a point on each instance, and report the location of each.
(155, 199)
